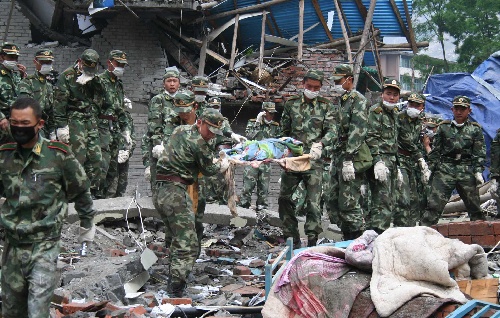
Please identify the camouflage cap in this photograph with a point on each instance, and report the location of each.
(171, 73)
(417, 98)
(183, 101)
(44, 55)
(315, 75)
(200, 83)
(461, 100)
(214, 101)
(269, 106)
(89, 60)
(10, 48)
(432, 120)
(213, 119)
(340, 71)
(119, 56)
(392, 83)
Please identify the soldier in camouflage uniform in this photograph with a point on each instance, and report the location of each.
(495, 170)
(382, 139)
(9, 85)
(456, 162)
(38, 87)
(410, 154)
(76, 107)
(259, 128)
(186, 154)
(113, 122)
(40, 177)
(347, 178)
(311, 119)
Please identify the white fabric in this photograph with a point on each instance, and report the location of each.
(315, 152)
(413, 261)
(127, 102)
(86, 235)
(479, 177)
(147, 173)
(46, 69)
(158, 150)
(457, 124)
(63, 134)
(123, 156)
(400, 178)
(310, 94)
(380, 171)
(118, 71)
(224, 164)
(260, 118)
(426, 172)
(348, 171)
(126, 135)
(389, 105)
(238, 138)
(10, 65)
(52, 136)
(413, 112)
(493, 186)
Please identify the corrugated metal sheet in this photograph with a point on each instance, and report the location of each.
(286, 17)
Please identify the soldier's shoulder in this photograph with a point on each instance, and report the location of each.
(8, 146)
(377, 108)
(323, 100)
(475, 123)
(357, 95)
(444, 123)
(292, 99)
(59, 146)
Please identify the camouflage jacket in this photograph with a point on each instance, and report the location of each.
(145, 148)
(256, 131)
(495, 156)
(9, 90)
(409, 129)
(186, 155)
(225, 138)
(382, 136)
(310, 122)
(38, 189)
(458, 145)
(160, 110)
(112, 105)
(36, 86)
(353, 123)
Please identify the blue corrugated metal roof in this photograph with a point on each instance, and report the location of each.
(286, 17)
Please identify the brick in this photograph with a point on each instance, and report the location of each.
(242, 270)
(116, 253)
(496, 227)
(443, 229)
(177, 301)
(467, 239)
(459, 228)
(257, 263)
(485, 240)
(480, 228)
(74, 307)
(61, 296)
(247, 291)
(139, 310)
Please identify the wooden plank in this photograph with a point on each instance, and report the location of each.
(400, 20)
(301, 29)
(262, 42)
(317, 8)
(203, 57)
(362, 9)
(233, 45)
(345, 19)
(364, 41)
(282, 41)
(410, 28)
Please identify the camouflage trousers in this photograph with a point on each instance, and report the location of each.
(382, 198)
(325, 188)
(215, 188)
(29, 278)
(109, 164)
(447, 177)
(84, 142)
(176, 210)
(299, 199)
(407, 207)
(118, 185)
(289, 182)
(345, 199)
(256, 177)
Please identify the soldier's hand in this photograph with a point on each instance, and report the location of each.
(380, 171)
(147, 173)
(426, 172)
(158, 150)
(479, 177)
(348, 172)
(123, 156)
(260, 118)
(238, 138)
(4, 124)
(63, 134)
(127, 136)
(316, 149)
(127, 103)
(52, 135)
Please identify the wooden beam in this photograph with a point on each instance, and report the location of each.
(268, 22)
(410, 28)
(344, 31)
(345, 19)
(364, 41)
(377, 56)
(301, 29)
(233, 45)
(240, 10)
(362, 9)
(282, 41)
(203, 57)
(406, 46)
(338, 43)
(262, 42)
(400, 20)
(317, 8)
(215, 33)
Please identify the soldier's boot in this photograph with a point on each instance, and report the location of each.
(351, 235)
(176, 289)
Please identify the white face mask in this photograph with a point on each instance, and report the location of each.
(389, 106)
(10, 65)
(412, 112)
(46, 69)
(457, 124)
(199, 98)
(118, 71)
(339, 89)
(310, 94)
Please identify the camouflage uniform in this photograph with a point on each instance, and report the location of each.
(310, 122)
(495, 167)
(260, 176)
(458, 153)
(186, 154)
(406, 209)
(37, 190)
(38, 87)
(77, 106)
(9, 88)
(112, 123)
(382, 139)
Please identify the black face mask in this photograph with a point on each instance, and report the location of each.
(22, 135)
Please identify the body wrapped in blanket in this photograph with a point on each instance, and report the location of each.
(270, 148)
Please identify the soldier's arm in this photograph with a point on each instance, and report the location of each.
(204, 161)
(478, 150)
(435, 154)
(373, 136)
(145, 146)
(155, 120)
(495, 156)
(358, 126)
(226, 128)
(330, 127)
(286, 120)
(250, 130)
(25, 88)
(61, 96)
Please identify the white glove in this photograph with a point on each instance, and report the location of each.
(158, 150)
(315, 152)
(426, 172)
(260, 118)
(123, 156)
(63, 134)
(86, 235)
(363, 190)
(400, 178)
(127, 103)
(493, 187)
(52, 136)
(238, 138)
(381, 171)
(147, 173)
(479, 177)
(348, 171)
(128, 138)
(224, 164)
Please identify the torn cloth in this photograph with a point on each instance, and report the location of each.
(413, 261)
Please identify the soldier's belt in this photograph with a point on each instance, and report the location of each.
(458, 156)
(108, 117)
(343, 138)
(404, 152)
(172, 178)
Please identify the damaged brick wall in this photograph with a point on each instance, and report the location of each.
(19, 29)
